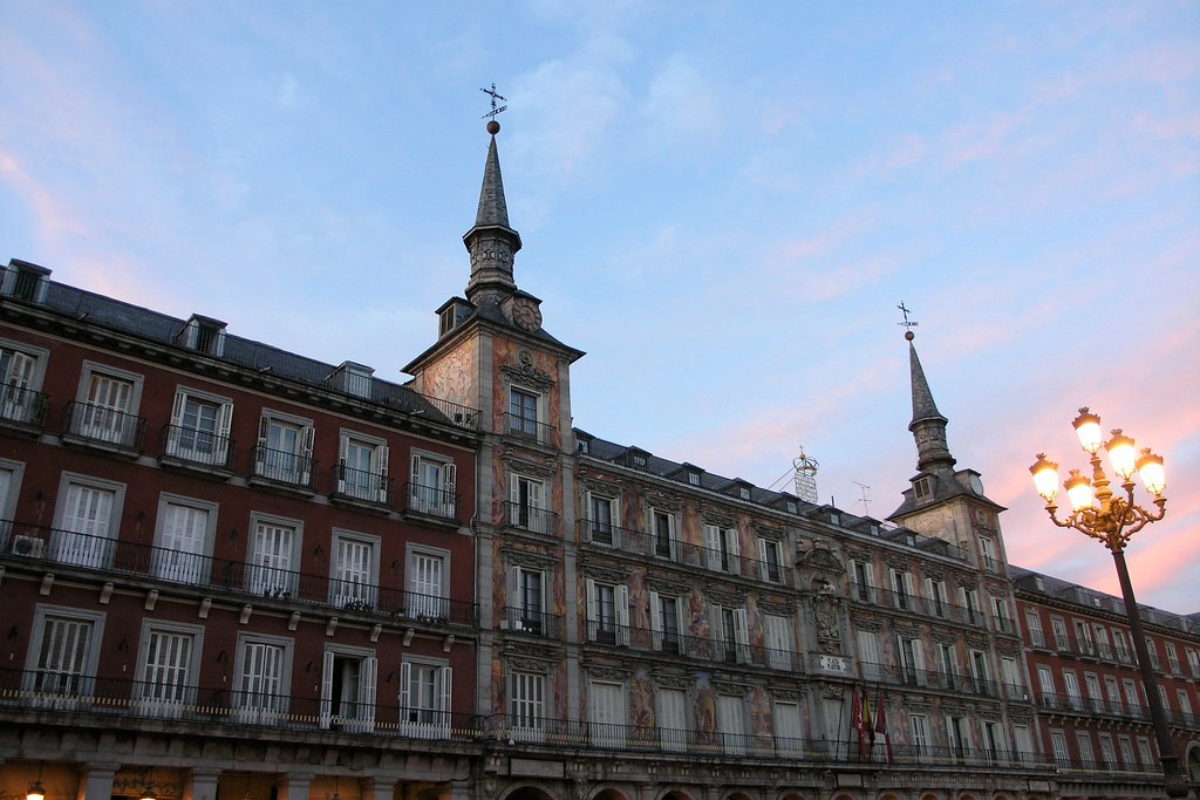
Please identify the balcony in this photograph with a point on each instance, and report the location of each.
(528, 518)
(239, 579)
(934, 607)
(23, 410)
(1037, 640)
(283, 469)
(526, 429)
(430, 501)
(532, 623)
(104, 428)
(198, 450)
(369, 491)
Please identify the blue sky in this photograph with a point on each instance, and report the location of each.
(721, 202)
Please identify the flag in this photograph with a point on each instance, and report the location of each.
(858, 724)
(868, 723)
(881, 726)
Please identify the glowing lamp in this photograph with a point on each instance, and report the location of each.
(1154, 476)
(1122, 454)
(36, 792)
(1087, 427)
(1079, 490)
(1045, 477)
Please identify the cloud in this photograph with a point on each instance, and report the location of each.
(681, 106)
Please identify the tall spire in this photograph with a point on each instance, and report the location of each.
(928, 426)
(491, 242)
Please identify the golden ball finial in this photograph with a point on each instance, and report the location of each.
(493, 127)
(909, 335)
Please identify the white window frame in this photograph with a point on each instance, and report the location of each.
(912, 660)
(267, 579)
(1121, 645)
(10, 493)
(731, 724)
(1062, 639)
(517, 423)
(863, 591)
(438, 500)
(779, 638)
(344, 590)
(118, 428)
(789, 728)
(765, 548)
(279, 464)
(723, 549)
(672, 713)
(919, 726)
(620, 620)
(980, 671)
(426, 718)
(369, 485)
(606, 533)
(527, 705)
(181, 566)
(672, 519)
(1108, 752)
(62, 695)
(608, 724)
(355, 715)
(422, 604)
(534, 506)
(277, 702)
(1058, 745)
(185, 443)
(1125, 745)
(168, 699)
(659, 623)
(1172, 657)
(987, 554)
(81, 548)
(520, 616)
(15, 406)
(903, 592)
(938, 599)
(1087, 753)
(869, 655)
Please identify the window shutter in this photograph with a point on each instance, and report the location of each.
(406, 713)
(712, 544)
(414, 484)
(444, 707)
(741, 635)
(919, 659)
(622, 598)
(368, 681)
(382, 454)
(717, 628)
(592, 611)
(327, 690)
(762, 559)
(513, 600)
(614, 527)
(260, 455)
(735, 547)
(177, 409)
(656, 623)
(308, 435)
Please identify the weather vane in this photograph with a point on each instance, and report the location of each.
(495, 96)
(909, 325)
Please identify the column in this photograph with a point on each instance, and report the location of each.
(294, 786)
(96, 781)
(201, 784)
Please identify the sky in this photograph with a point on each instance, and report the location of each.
(723, 203)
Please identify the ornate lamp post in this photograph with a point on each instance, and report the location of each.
(1111, 518)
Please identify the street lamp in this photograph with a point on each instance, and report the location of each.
(1112, 519)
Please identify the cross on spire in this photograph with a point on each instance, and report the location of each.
(495, 96)
(907, 323)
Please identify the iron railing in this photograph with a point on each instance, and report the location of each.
(362, 486)
(23, 406)
(187, 445)
(284, 467)
(432, 501)
(533, 623)
(528, 429)
(228, 576)
(529, 518)
(105, 426)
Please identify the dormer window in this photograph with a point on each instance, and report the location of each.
(744, 492)
(204, 335)
(446, 321)
(923, 487)
(639, 460)
(693, 478)
(582, 446)
(792, 508)
(25, 281)
(353, 379)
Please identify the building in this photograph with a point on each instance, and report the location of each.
(236, 572)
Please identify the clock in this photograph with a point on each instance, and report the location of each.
(976, 485)
(526, 314)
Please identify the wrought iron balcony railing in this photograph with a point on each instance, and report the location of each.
(285, 468)
(195, 447)
(23, 406)
(530, 430)
(361, 486)
(913, 603)
(105, 426)
(528, 518)
(532, 623)
(228, 576)
(432, 501)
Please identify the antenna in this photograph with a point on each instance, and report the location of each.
(495, 111)
(865, 500)
(805, 477)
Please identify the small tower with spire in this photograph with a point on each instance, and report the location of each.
(492, 242)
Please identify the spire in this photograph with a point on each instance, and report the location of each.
(491, 242)
(928, 426)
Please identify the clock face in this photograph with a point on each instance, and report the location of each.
(976, 485)
(526, 314)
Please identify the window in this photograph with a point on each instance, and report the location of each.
(693, 478)
(1114, 693)
(1024, 740)
(1107, 753)
(1102, 646)
(1071, 685)
(363, 468)
(204, 335)
(607, 613)
(105, 408)
(273, 552)
(958, 734)
(168, 668)
(526, 600)
(665, 531)
(1127, 756)
(1046, 682)
(731, 724)
(526, 508)
(1173, 658)
(1086, 757)
(353, 379)
(1194, 663)
(261, 693)
(779, 641)
(970, 604)
(606, 714)
(21, 371)
(1144, 753)
(912, 661)
(938, 604)
(1058, 743)
(11, 473)
(1152, 649)
(771, 566)
(923, 487)
(523, 414)
(63, 655)
(602, 520)
(723, 549)
(666, 623)
(1095, 698)
(1012, 677)
(26, 281)
(731, 634)
(527, 706)
(993, 739)
(355, 571)
(1061, 640)
(1003, 620)
(987, 554)
(919, 724)
(902, 588)
(1033, 622)
(1083, 636)
(349, 678)
(284, 451)
(946, 667)
(1131, 696)
(789, 731)
(1120, 646)
(980, 673)
(868, 655)
(425, 699)
(434, 485)
(427, 573)
(199, 430)
(672, 719)
(184, 533)
(88, 515)
(861, 575)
